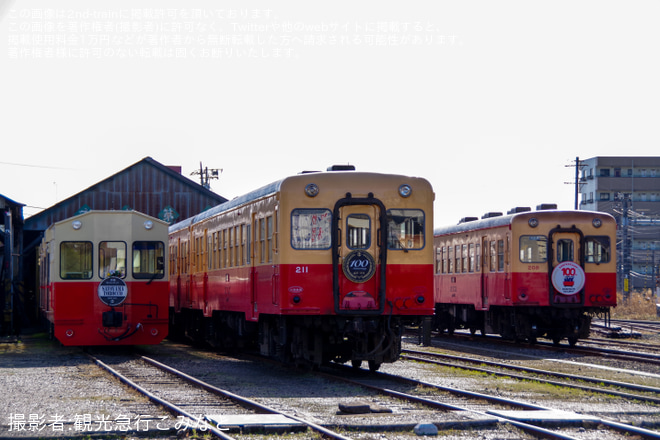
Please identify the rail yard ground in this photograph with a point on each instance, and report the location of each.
(55, 391)
(51, 391)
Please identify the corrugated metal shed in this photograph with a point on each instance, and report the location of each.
(11, 242)
(146, 186)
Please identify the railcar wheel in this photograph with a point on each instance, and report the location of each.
(356, 363)
(556, 340)
(572, 340)
(373, 365)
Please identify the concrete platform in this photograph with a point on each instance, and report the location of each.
(545, 416)
(256, 422)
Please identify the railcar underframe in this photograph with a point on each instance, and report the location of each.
(302, 340)
(520, 323)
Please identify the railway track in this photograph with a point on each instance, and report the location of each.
(597, 385)
(597, 347)
(405, 397)
(525, 416)
(200, 405)
(626, 328)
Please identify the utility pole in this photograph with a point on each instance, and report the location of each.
(626, 247)
(206, 174)
(578, 165)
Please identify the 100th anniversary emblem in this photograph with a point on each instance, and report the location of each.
(112, 291)
(359, 266)
(568, 278)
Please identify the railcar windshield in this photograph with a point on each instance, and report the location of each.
(533, 249)
(564, 250)
(358, 227)
(112, 259)
(311, 229)
(148, 259)
(597, 249)
(405, 229)
(76, 260)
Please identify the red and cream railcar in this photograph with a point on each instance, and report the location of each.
(103, 277)
(317, 267)
(526, 275)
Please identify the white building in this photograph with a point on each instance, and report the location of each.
(629, 189)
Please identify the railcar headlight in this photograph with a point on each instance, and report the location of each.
(312, 190)
(597, 223)
(405, 190)
(148, 225)
(533, 222)
(77, 224)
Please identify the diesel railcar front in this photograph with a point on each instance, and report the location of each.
(317, 267)
(103, 279)
(526, 275)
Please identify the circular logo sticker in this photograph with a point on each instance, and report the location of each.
(112, 291)
(359, 266)
(568, 278)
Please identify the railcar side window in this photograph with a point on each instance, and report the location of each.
(450, 259)
(457, 254)
(465, 258)
(477, 267)
(174, 263)
(533, 249)
(148, 259)
(493, 256)
(597, 249)
(269, 237)
(358, 231)
(405, 229)
(76, 260)
(112, 259)
(311, 228)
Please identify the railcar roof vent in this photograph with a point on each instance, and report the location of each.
(518, 209)
(491, 215)
(341, 168)
(467, 220)
(546, 206)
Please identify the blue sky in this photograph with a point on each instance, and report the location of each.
(490, 101)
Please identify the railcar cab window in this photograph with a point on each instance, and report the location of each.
(564, 250)
(148, 259)
(358, 231)
(311, 229)
(112, 259)
(76, 260)
(533, 249)
(405, 229)
(597, 249)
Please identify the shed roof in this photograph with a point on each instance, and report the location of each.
(146, 186)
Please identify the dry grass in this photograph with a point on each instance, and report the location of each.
(639, 305)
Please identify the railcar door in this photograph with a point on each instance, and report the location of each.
(484, 271)
(359, 256)
(566, 266)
